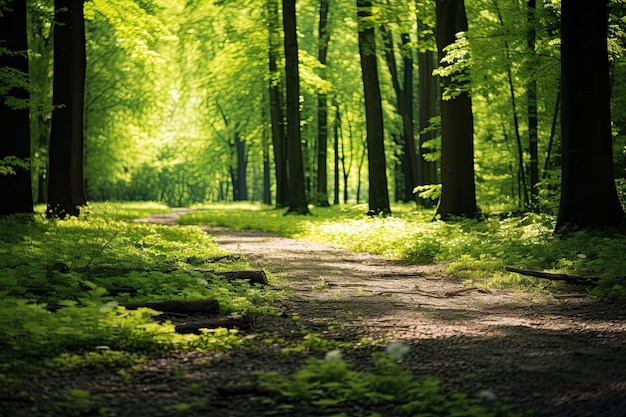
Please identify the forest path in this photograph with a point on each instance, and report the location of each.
(561, 358)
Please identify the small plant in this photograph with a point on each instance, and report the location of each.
(333, 381)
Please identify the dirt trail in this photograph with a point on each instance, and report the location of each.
(560, 358)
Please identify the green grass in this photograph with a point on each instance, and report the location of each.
(475, 251)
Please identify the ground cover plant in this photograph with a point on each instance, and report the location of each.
(475, 251)
(63, 283)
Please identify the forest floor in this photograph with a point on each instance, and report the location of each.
(559, 357)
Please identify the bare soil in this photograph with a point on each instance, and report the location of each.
(561, 357)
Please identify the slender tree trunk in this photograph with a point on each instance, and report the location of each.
(66, 192)
(15, 187)
(337, 136)
(411, 167)
(458, 193)
(239, 183)
(321, 197)
(267, 194)
(378, 198)
(588, 194)
(279, 143)
(428, 92)
(297, 195)
(532, 108)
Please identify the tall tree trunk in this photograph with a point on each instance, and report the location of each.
(428, 92)
(458, 193)
(531, 89)
(238, 168)
(337, 136)
(15, 187)
(279, 143)
(66, 191)
(588, 194)
(267, 193)
(297, 195)
(411, 167)
(378, 196)
(321, 197)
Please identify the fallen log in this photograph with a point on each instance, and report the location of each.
(209, 306)
(238, 322)
(252, 276)
(571, 279)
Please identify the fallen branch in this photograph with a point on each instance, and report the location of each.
(572, 279)
(252, 276)
(238, 322)
(210, 306)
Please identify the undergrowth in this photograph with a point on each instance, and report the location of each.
(475, 251)
(63, 284)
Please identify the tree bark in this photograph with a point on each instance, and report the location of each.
(321, 198)
(588, 194)
(66, 192)
(428, 87)
(532, 108)
(458, 193)
(279, 143)
(378, 196)
(16, 187)
(297, 194)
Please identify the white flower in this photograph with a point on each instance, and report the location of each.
(487, 395)
(333, 356)
(397, 349)
(581, 255)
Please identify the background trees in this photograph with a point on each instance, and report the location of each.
(182, 108)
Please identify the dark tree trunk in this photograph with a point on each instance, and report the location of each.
(267, 194)
(16, 187)
(242, 167)
(322, 113)
(66, 192)
(297, 195)
(411, 166)
(532, 108)
(378, 200)
(428, 92)
(458, 193)
(588, 194)
(279, 143)
(337, 137)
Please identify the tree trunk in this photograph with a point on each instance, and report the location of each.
(242, 168)
(66, 192)
(411, 166)
(297, 195)
(15, 187)
(532, 108)
(428, 89)
(588, 194)
(321, 197)
(378, 200)
(276, 109)
(458, 193)
(337, 136)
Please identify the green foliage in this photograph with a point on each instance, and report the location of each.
(331, 382)
(472, 250)
(58, 278)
